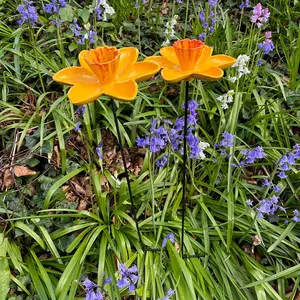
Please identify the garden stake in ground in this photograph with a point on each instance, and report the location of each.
(133, 208)
(185, 60)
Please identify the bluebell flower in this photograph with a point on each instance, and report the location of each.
(76, 29)
(168, 122)
(282, 175)
(242, 163)
(77, 127)
(266, 182)
(269, 207)
(285, 167)
(91, 35)
(211, 29)
(56, 22)
(201, 16)
(192, 106)
(81, 40)
(202, 36)
(259, 62)
(98, 12)
(162, 162)
(286, 161)
(170, 237)
(129, 277)
(157, 143)
(54, 6)
(227, 140)
(179, 124)
(296, 217)
(80, 110)
(253, 154)
(276, 189)
(141, 142)
(91, 287)
(169, 294)
(213, 21)
(296, 150)
(108, 280)
(205, 25)
(267, 46)
(211, 13)
(245, 4)
(28, 12)
(90, 295)
(286, 222)
(99, 150)
(163, 136)
(213, 3)
(136, 4)
(223, 152)
(88, 284)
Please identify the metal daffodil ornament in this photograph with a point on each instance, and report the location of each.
(188, 59)
(112, 72)
(106, 70)
(185, 60)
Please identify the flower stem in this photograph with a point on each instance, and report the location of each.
(133, 208)
(183, 202)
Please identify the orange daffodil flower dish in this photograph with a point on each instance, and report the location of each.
(188, 59)
(106, 70)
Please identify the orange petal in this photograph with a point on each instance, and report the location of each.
(124, 91)
(211, 74)
(81, 94)
(222, 61)
(174, 76)
(139, 71)
(128, 56)
(73, 75)
(82, 61)
(162, 62)
(170, 54)
(205, 55)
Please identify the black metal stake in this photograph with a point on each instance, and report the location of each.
(183, 202)
(133, 208)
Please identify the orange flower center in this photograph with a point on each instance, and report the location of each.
(188, 52)
(104, 62)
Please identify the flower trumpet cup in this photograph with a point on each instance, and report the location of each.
(188, 59)
(106, 70)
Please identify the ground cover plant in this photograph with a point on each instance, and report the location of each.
(224, 225)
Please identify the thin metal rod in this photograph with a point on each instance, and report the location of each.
(183, 201)
(133, 208)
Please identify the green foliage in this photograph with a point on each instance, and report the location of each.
(72, 219)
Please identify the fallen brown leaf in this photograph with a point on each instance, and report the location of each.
(20, 171)
(57, 160)
(7, 179)
(82, 205)
(79, 189)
